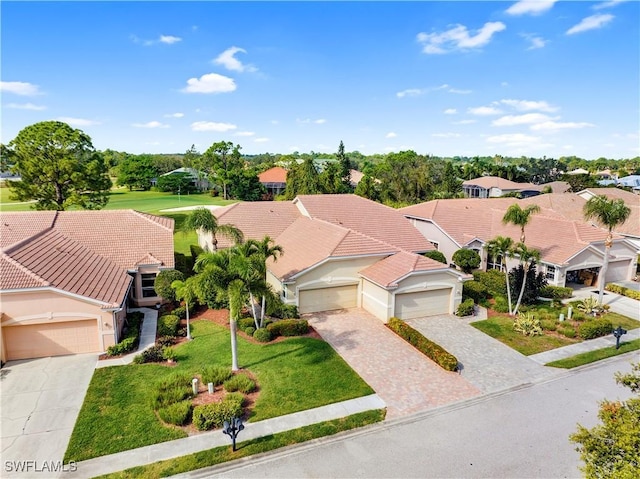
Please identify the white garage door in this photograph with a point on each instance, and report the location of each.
(618, 271)
(423, 303)
(55, 339)
(327, 299)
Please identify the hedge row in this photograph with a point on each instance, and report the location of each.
(131, 337)
(493, 280)
(430, 349)
(289, 327)
(475, 290)
(211, 416)
(466, 308)
(555, 292)
(630, 293)
(595, 328)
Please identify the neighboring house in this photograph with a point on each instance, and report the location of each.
(344, 251)
(199, 179)
(355, 177)
(631, 181)
(578, 171)
(495, 187)
(570, 250)
(66, 277)
(274, 180)
(556, 186)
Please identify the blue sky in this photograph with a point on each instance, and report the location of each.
(535, 78)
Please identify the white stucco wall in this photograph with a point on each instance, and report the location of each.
(432, 233)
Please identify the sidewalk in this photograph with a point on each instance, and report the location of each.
(147, 339)
(208, 440)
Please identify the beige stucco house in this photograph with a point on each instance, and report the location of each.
(495, 187)
(344, 251)
(67, 277)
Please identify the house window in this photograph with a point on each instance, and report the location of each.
(551, 273)
(494, 262)
(147, 280)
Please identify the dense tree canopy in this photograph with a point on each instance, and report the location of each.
(136, 172)
(59, 168)
(221, 161)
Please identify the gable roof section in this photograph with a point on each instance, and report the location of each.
(19, 226)
(388, 272)
(277, 174)
(366, 217)
(502, 183)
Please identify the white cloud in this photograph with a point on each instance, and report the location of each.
(535, 41)
(77, 121)
(446, 135)
(169, 39)
(20, 88)
(526, 119)
(608, 4)
(320, 121)
(458, 38)
(410, 92)
(464, 122)
(210, 83)
(174, 115)
(391, 134)
(515, 139)
(591, 23)
(459, 92)
(26, 106)
(450, 111)
(556, 126)
(212, 126)
(533, 7)
(228, 60)
(504, 83)
(274, 122)
(150, 124)
(261, 140)
(526, 105)
(244, 133)
(484, 111)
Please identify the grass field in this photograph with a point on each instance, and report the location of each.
(597, 355)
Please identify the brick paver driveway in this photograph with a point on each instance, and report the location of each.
(404, 378)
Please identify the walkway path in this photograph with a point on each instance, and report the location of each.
(147, 339)
(404, 378)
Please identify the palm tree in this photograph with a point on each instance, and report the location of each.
(267, 249)
(202, 219)
(610, 214)
(520, 217)
(527, 257)
(185, 291)
(502, 246)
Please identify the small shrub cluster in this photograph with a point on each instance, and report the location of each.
(131, 337)
(155, 354)
(589, 305)
(240, 382)
(289, 327)
(278, 309)
(263, 335)
(169, 353)
(501, 304)
(466, 308)
(548, 324)
(568, 332)
(436, 255)
(196, 250)
(211, 416)
(168, 325)
(614, 288)
(475, 290)
(430, 349)
(177, 414)
(173, 389)
(527, 324)
(215, 374)
(595, 328)
(555, 292)
(250, 330)
(182, 264)
(493, 280)
(245, 323)
(165, 341)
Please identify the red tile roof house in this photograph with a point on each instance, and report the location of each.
(344, 251)
(274, 180)
(568, 248)
(494, 187)
(65, 277)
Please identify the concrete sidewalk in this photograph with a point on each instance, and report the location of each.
(147, 339)
(208, 440)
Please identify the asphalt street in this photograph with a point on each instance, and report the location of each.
(522, 433)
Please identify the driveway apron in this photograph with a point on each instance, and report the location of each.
(41, 399)
(405, 379)
(486, 362)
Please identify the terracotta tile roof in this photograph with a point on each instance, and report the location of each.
(557, 186)
(365, 216)
(67, 265)
(277, 174)
(389, 271)
(15, 276)
(16, 227)
(630, 199)
(355, 177)
(497, 182)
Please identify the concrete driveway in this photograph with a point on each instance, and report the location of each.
(40, 401)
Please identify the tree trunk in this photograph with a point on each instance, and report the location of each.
(524, 284)
(603, 271)
(188, 328)
(234, 345)
(253, 310)
(506, 274)
(262, 311)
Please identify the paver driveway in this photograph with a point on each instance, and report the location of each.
(404, 378)
(40, 400)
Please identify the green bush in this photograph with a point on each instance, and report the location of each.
(131, 338)
(548, 324)
(263, 335)
(527, 324)
(240, 382)
(595, 328)
(123, 347)
(182, 264)
(169, 353)
(614, 288)
(168, 325)
(436, 255)
(555, 292)
(466, 259)
(173, 389)
(211, 416)
(162, 283)
(475, 290)
(250, 330)
(494, 280)
(166, 341)
(568, 332)
(466, 308)
(244, 323)
(177, 414)
(180, 312)
(430, 349)
(278, 309)
(288, 327)
(152, 355)
(215, 374)
(235, 397)
(196, 250)
(501, 304)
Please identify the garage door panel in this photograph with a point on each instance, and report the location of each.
(617, 271)
(328, 299)
(422, 303)
(55, 339)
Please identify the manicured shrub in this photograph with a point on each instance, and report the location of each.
(131, 338)
(466, 259)
(211, 416)
(527, 324)
(278, 309)
(164, 341)
(123, 347)
(263, 335)
(595, 328)
(180, 312)
(182, 264)
(177, 414)
(548, 324)
(466, 308)
(430, 349)
(196, 250)
(288, 327)
(168, 353)
(152, 355)
(162, 283)
(168, 325)
(250, 330)
(244, 323)
(493, 280)
(474, 290)
(235, 397)
(436, 255)
(239, 382)
(555, 292)
(173, 389)
(568, 332)
(614, 288)
(501, 305)
(215, 374)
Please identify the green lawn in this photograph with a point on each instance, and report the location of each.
(597, 355)
(293, 375)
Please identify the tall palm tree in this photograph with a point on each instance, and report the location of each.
(610, 214)
(502, 246)
(520, 217)
(527, 257)
(267, 249)
(202, 219)
(185, 291)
